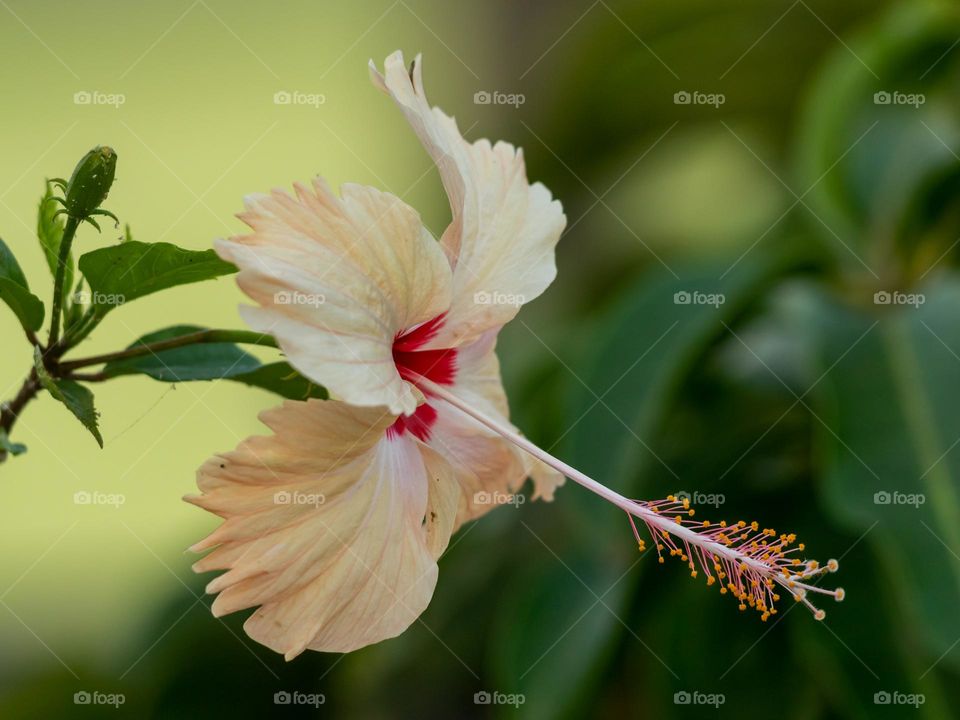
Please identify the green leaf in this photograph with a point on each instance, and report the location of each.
(868, 146)
(207, 361)
(133, 269)
(641, 354)
(11, 447)
(50, 233)
(888, 425)
(283, 380)
(77, 398)
(15, 292)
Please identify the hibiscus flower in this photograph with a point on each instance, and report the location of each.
(334, 524)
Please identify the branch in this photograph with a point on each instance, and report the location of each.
(10, 411)
(200, 337)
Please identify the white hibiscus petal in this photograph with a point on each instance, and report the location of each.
(489, 469)
(336, 279)
(504, 230)
(331, 528)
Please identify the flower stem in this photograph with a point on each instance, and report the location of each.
(631, 507)
(751, 562)
(66, 241)
(200, 337)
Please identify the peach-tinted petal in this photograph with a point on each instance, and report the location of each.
(336, 279)
(504, 230)
(489, 469)
(330, 528)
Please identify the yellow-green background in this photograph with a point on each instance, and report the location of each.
(103, 598)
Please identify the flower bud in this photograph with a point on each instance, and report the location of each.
(90, 182)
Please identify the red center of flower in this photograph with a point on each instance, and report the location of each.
(440, 366)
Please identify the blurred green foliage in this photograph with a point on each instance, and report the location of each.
(798, 399)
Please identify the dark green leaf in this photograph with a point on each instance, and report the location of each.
(868, 146)
(210, 361)
(77, 398)
(641, 355)
(124, 272)
(283, 380)
(887, 404)
(15, 292)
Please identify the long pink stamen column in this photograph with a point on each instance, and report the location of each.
(748, 562)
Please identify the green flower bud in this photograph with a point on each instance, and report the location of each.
(90, 182)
